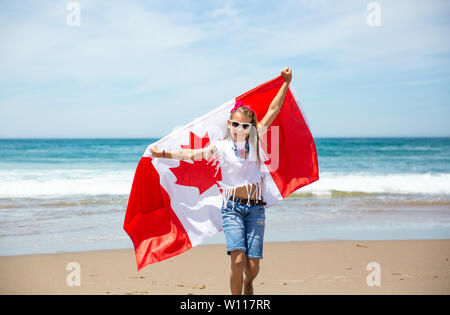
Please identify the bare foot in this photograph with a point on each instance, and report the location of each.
(248, 288)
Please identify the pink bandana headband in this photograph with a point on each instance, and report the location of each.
(239, 104)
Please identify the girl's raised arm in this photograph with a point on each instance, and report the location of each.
(277, 102)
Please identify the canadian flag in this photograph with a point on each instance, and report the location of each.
(175, 205)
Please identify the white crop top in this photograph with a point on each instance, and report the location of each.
(236, 171)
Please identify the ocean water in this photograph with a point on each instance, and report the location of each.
(62, 195)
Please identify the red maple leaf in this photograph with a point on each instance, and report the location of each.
(197, 174)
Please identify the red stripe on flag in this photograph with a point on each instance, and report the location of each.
(150, 221)
(298, 165)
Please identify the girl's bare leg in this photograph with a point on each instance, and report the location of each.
(251, 271)
(238, 261)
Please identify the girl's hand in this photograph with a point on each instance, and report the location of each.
(286, 73)
(155, 151)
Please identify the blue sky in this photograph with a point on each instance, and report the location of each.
(143, 68)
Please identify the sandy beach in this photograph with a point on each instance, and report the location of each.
(315, 267)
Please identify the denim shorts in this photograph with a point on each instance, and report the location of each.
(244, 228)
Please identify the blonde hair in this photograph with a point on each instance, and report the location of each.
(253, 135)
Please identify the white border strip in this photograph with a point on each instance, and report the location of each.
(189, 125)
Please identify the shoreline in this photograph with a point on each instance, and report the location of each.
(419, 266)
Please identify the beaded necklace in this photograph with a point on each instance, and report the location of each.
(241, 153)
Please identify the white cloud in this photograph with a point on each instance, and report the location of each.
(120, 40)
(130, 40)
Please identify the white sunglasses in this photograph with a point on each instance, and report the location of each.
(237, 124)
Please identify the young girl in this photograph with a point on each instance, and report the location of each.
(243, 212)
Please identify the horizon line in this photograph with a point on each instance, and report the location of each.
(127, 138)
